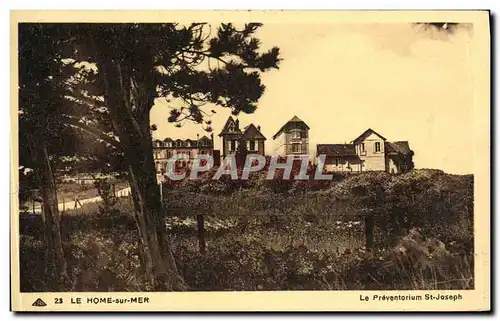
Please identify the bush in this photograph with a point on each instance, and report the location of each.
(265, 235)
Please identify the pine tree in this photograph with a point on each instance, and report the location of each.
(138, 63)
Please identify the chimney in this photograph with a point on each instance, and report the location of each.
(197, 139)
(258, 128)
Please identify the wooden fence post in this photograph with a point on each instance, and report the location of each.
(369, 230)
(201, 233)
(33, 201)
(64, 205)
(76, 204)
(161, 194)
(114, 190)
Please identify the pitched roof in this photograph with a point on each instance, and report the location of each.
(401, 147)
(225, 129)
(336, 149)
(253, 132)
(183, 142)
(295, 120)
(366, 133)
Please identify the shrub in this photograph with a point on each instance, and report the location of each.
(287, 237)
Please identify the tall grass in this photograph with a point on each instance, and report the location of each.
(261, 239)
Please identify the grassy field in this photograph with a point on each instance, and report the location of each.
(266, 235)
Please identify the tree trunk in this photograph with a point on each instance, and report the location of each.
(160, 264)
(131, 124)
(56, 263)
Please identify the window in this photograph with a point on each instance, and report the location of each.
(232, 145)
(295, 148)
(296, 134)
(251, 145)
(377, 147)
(362, 149)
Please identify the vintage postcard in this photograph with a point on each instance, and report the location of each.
(250, 161)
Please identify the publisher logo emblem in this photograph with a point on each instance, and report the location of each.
(39, 303)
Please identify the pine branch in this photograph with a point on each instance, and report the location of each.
(92, 131)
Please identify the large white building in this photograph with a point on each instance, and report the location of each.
(368, 152)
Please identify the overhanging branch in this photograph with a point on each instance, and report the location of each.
(92, 131)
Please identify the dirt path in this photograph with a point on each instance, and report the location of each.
(72, 205)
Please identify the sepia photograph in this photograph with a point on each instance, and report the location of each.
(254, 153)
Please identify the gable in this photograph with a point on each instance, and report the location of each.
(252, 132)
(204, 141)
(373, 136)
(231, 127)
(295, 122)
(369, 134)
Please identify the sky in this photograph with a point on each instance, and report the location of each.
(403, 81)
